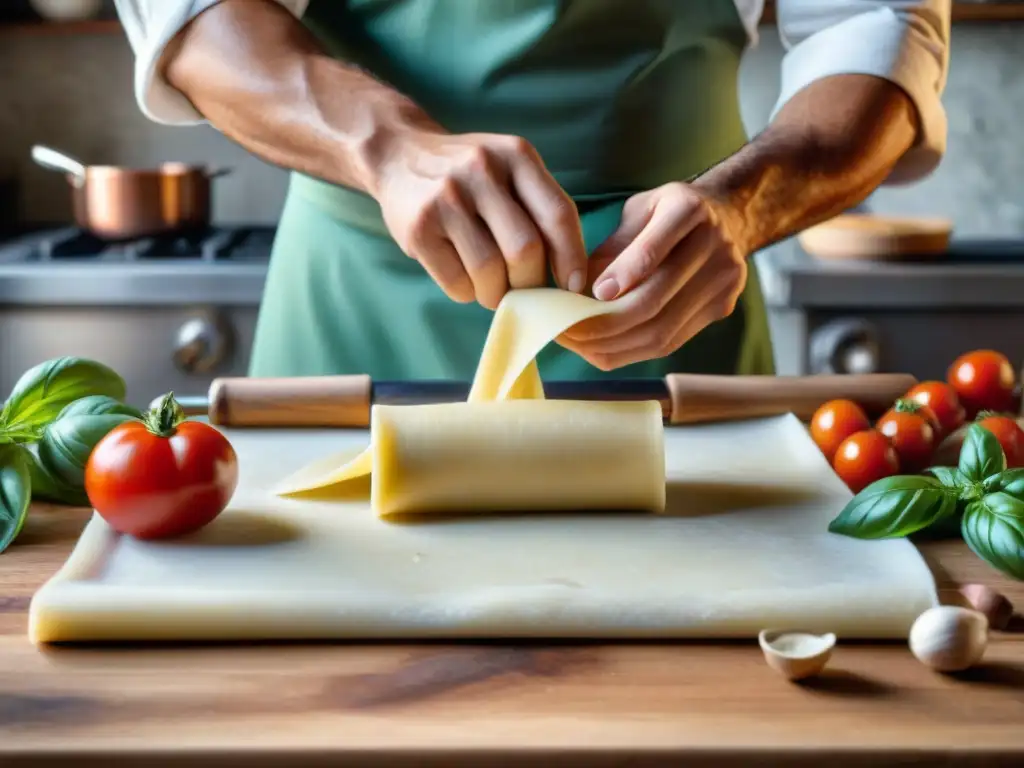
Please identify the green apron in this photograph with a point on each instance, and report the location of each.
(618, 97)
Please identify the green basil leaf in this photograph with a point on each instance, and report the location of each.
(15, 493)
(46, 486)
(67, 443)
(950, 477)
(981, 456)
(1011, 481)
(44, 391)
(99, 404)
(895, 506)
(20, 436)
(993, 527)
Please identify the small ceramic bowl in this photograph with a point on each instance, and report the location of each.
(796, 654)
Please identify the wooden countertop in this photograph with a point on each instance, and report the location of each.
(490, 704)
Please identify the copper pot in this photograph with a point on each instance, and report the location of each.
(117, 203)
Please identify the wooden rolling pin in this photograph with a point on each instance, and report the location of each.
(345, 401)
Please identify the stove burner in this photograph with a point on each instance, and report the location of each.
(242, 243)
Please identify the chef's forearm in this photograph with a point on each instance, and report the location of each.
(260, 77)
(827, 149)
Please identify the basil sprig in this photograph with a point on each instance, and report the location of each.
(981, 456)
(15, 493)
(988, 498)
(44, 391)
(896, 506)
(1011, 481)
(67, 443)
(49, 424)
(48, 486)
(950, 477)
(993, 528)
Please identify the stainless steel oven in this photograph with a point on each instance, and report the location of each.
(915, 316)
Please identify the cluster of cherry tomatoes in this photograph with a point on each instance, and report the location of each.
(980, 386)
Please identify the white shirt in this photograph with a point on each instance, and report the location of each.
(904, 41)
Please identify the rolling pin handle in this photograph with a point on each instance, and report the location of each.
(303, 401)
(701, 398)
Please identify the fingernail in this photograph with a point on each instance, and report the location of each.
(606, 289)
(576, 281)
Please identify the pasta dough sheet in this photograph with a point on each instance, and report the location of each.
(742, 544)
(497, 452)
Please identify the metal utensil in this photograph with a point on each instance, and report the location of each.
(58, 161)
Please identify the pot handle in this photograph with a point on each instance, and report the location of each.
(58, 161)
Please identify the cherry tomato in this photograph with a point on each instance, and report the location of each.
(835, 421)
(1010, 436)
(865, 457)
(943, 401)
(984, 381)
(912, 429)
(162, 476)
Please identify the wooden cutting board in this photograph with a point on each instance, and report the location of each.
(743, 545)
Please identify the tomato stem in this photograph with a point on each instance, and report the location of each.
(982, 415)
(163, 419)
(906, 405)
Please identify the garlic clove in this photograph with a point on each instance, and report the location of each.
(994, 605)
(949, 638)
(795, 654)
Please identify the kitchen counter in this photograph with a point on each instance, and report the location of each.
(974, 273)
(491, 704)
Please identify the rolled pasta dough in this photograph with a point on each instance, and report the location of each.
(517, 455)
(507, 448)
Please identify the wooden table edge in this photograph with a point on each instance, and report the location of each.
(639, 757)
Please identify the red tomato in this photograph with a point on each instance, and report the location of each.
(912, 429)
(984, 381)
(835, 421)
(1010, 436)
(163, 476)
(943, 401)
(865, 457)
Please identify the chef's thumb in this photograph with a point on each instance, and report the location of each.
(643, 254)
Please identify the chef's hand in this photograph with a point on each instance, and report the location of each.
(481, 213)
(678, 267)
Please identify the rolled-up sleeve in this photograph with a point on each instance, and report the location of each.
(150, 25)
(902, 41)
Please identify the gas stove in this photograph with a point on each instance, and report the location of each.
(71, 267)
(168, 313)
(72, 244)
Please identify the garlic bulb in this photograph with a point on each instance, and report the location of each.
(996, 607)
(949, 638)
